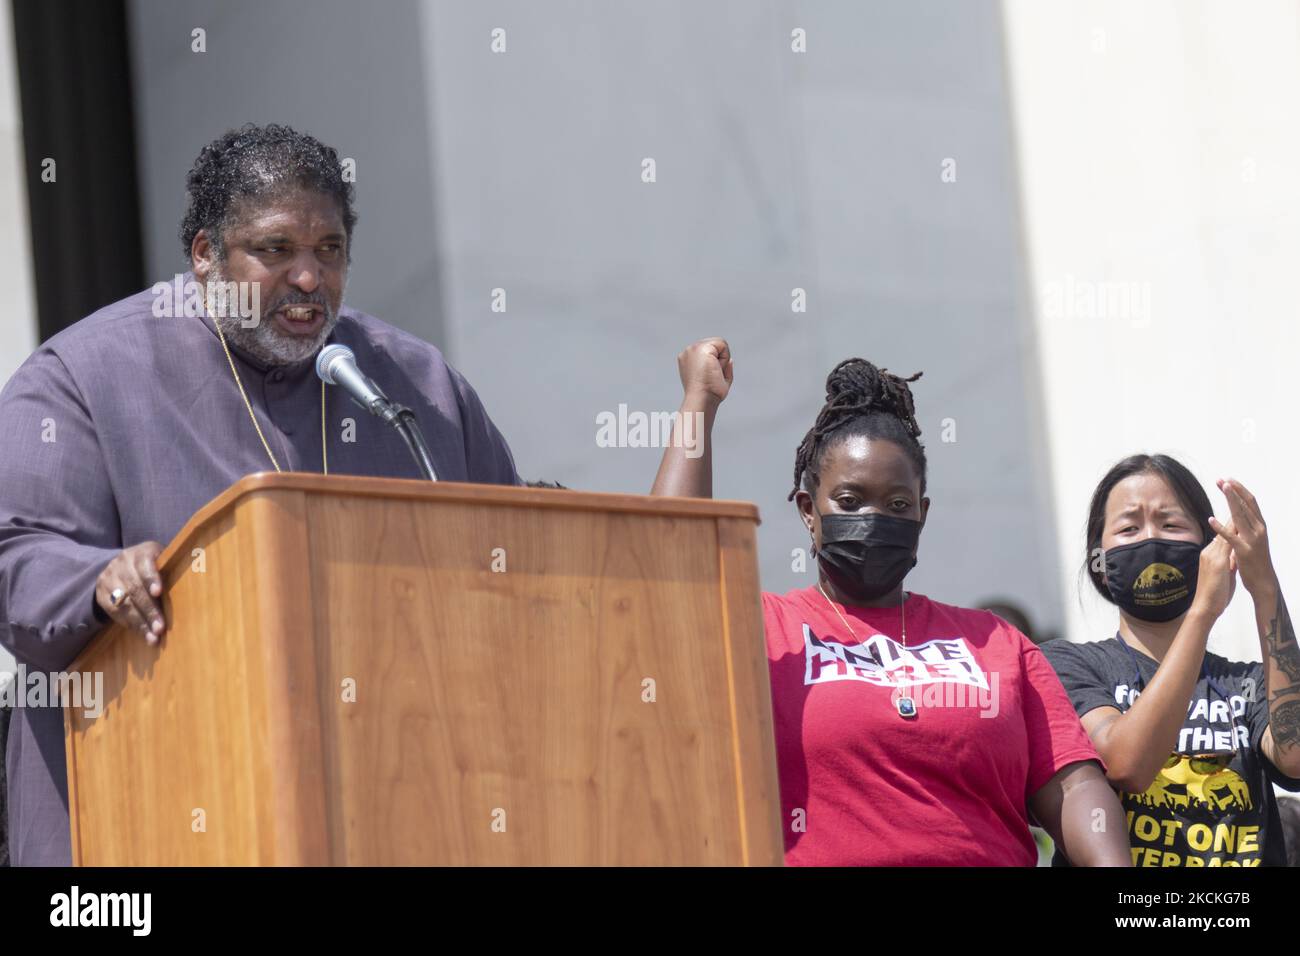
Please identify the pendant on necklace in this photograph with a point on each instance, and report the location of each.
(906, 708)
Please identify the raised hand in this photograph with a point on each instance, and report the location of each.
(1248, 536)
(1216, 578)
(706, 369)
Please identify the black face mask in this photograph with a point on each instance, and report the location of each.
(1154, 580)
(867, 556)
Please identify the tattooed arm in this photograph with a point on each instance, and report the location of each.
(1281, 741)
(1249, 537)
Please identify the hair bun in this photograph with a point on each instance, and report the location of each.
(858, 385)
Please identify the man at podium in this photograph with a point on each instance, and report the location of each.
(116, 430)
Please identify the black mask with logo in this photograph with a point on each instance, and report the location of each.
(1153, 580)
(867, 555)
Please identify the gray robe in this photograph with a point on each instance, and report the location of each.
(119, 428)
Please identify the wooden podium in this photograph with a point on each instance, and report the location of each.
(369, 671)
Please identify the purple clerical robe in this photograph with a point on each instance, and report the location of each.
(120, 427)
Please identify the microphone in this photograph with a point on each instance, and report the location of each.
(337, 365)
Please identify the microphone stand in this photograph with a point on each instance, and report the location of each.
(403, 419)
(367, 395)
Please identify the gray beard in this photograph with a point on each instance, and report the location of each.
(265, 341)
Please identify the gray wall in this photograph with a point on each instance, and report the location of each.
(17, 296)
(775, 170)
(348, 73)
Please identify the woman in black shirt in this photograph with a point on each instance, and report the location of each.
(1192, 741)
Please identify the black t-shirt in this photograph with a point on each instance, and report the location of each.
(1209, 805)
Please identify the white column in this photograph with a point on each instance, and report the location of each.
(1157, 145)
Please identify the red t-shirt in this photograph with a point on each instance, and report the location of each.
(863, 786)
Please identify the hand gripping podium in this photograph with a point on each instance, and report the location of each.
(365, 671)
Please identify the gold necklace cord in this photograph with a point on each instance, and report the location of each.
(248, 405)
(902, 611)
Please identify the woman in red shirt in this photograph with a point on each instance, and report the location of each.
(909, 732)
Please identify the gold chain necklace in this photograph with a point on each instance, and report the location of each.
(324, 455)
(905, 704)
